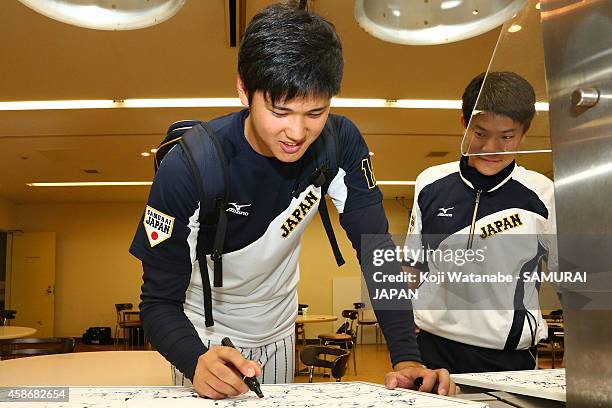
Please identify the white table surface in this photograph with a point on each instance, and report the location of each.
(97, 368)
(15, 332)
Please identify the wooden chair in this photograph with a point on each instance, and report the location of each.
(554, 344)
(299, 327)
(345, 338)
(36, 346)
(125, 325)
(365, 322)
(310, 357)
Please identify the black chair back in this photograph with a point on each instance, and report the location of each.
(123, 306)
(6, 315)
(310, 357)
(350, 314)
(300, 307)
(120, 307)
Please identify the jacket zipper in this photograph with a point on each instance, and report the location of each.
(471, 237)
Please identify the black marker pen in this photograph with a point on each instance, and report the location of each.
(251, 382)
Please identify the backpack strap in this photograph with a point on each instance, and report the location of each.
(173, 135)
(221, 205)
(329, 169)
(327, 147)
(213, 193)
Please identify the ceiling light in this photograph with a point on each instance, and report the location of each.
(514, 28)
(229, 103)
(537, 6)
(66, 104)
(148, 183)
(120, 103)
(475, 12)
(153, 151)
(96, 14)
(371, 154)
(145, 154)
(433, 22)
(427, 104)
(182, 103)
(92, 184)
(396, 13)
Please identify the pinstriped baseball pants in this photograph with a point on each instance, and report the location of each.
(277, 362)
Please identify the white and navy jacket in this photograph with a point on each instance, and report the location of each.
(509, 220)
(257, 304)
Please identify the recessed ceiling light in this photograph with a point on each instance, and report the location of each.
(515, 28)
(145, 154)
(538, 5)
(371, 154)
(396, 13)
(153, 151)
(475, 12)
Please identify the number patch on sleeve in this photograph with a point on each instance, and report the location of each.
(366, 167)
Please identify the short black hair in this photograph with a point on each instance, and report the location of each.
(503, 93)
(288, 52)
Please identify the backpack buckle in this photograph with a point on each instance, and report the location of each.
(216, 255)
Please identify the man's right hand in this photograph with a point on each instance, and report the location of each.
(219, 373)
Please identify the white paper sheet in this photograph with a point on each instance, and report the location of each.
(548, 384)
(331, 394)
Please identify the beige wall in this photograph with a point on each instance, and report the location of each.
(93, 267)
(8, 215)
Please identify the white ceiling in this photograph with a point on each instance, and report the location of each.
(187, 56)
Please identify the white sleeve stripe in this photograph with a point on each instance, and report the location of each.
(338, 190)
(432, 174)
(192, 238)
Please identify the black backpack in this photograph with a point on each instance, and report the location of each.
(213, 192)
(97, 335)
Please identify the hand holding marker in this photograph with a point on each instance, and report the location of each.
(251, 382)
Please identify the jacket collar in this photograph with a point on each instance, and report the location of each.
(477, 181)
